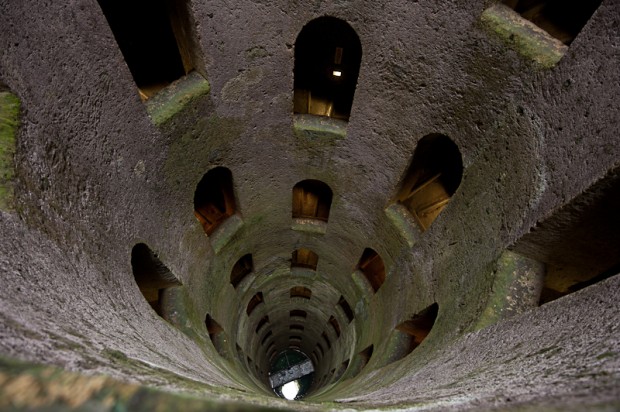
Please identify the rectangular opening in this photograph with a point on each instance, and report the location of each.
(335, 325)
(326, 339)
(298, 313)
(344, 305)
(304, 258)
(217, 335)
(267, 336)
(151, 275)
(301, 292)
(242, 268)
(371, 265)
(151, 35)
(320, 349)
(579, 242)
(254, 302)
(262, 322)
(365, 356)
(562, 19)
(311, 200)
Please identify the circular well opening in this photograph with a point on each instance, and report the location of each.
(291, 374)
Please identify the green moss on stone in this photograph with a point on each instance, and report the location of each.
(115, 355)
(173, 99)
(26, 387)
(404, 223)
(606, 355)
(227, 230)
(523, 36)
(516, 288)
(9, 123)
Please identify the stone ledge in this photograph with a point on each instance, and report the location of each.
(310, 226)
(303, 272)
(172, 99)
(363, 284)
(404, 222)
(225, 232)
(319, 127)
(523, 36)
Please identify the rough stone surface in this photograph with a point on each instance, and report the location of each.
(95, 175)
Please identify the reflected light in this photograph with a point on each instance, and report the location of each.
(337, 73)
(290, 390)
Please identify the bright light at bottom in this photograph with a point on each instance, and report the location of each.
(337, 73)
(290, 390)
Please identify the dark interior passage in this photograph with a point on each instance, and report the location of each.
(562, 19)
(328, 55)
(143, 31)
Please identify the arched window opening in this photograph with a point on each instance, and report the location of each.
(301, 292)
(312, 199)
(562, 19)
(332, 321)
(242, 268)
(262, 322)
(267, 336)
(409, 335)
(298, 313)
(240, 353)
(564, 279)
(365, 356)
(152, 35)
(299, 328)
(328, 55)
(315, 357)
(151, 276)
(217, 335)
(326, 339)
(433, 177)
(214, 200)
(371, 265)
(320, 349)
(578, 243)
(346, 308)
(254, 302)
(360, 361)
(341, 370)
(305, 258)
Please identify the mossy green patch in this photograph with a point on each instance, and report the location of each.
(174, 98)
(115, 355)
(404, 223)
(9, 123)
(606, 355)
(548, 351)
(516, 288)
(25, 387)
(523, 36)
